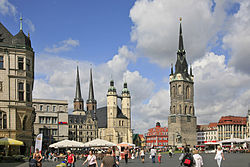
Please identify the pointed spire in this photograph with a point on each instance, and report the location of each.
(91, 89)
(172, 70)
(78, 95)
(191, 71)
(181, 45)
(21, 22)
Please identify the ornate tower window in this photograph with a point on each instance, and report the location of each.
(180, 109)
(27, 64)
(173, 91)
(188, 92)
(173, 109)
(28, 97)
(185, 111)
(20, 63)
(20, 91)
(1, 62)
(190, 110)
(179, 90)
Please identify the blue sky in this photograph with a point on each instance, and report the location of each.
(137, 41)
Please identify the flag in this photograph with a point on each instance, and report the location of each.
(39, 141)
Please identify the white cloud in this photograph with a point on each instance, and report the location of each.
(156, 27)
(219, 89)
(64, 45)
(59, 80)
(238, 38)
(7, 8)
(31, 26)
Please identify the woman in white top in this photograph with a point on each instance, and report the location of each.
(142, 154)
(219, 156)
(91, 159)
(198, 159)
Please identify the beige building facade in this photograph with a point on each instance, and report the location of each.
(115, 123)
(248, 124)
(51, 120)
(16, 85)
(182, 119)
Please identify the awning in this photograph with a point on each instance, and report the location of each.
(66, 144)
(99, 143)
(12, 142)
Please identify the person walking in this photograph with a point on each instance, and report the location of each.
(108, 160)
(91, 159)
(142, 154)
(153, 153)
(186, 158)
(38, 157)
(70, 159)
(126, 154)
(159, 158)
(197, 159)
(117, 155)
(219, 156)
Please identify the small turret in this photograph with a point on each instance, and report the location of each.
(125, 88)
(112, 86)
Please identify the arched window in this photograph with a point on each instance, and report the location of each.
(173, 112)
(119, 123)
(185, 111)
(24, 122)
(190, 110)
(173, 91)
(179, 90)
(180, 109)
(187, 92)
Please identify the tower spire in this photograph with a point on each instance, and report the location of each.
(91, 90)
(21, 22)
(181, 45)
(78, 95)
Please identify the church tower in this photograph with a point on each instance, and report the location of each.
(125, 104)
(182, 119)
(78, 101)
(126, 110)
(111, 105)
(91, 102)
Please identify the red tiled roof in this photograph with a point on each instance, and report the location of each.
(226, 120)
(212, 125)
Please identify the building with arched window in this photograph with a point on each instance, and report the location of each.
(16, 85)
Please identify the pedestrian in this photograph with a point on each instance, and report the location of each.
(126, 154)
(186, 158)
(117, 155)
(38, 157)
(153, 153)
(70, 159)
(219, 156)
(142, 154)
(91, 159)
(170, 152)
(159, 158)
(197, 159)
(108, 160)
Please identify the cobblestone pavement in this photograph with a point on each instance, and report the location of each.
(232, 160)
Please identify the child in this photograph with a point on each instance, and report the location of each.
(159, 158)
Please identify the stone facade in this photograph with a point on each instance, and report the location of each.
(118, 125)
(51, 120)
(182, 119)
(16, 85)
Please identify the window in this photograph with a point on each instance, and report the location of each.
(28, 98)
(41, 120)
(20, 63)
(188, 92)
(188, 119)
(54, 108)
(54, 120)
(3, 120)
(1, 86)
(20, 91)
(179, 90)
(1, 62)
(47, 108)
(54, 132)
(27, 64)
(41, 108)
(173, 119)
